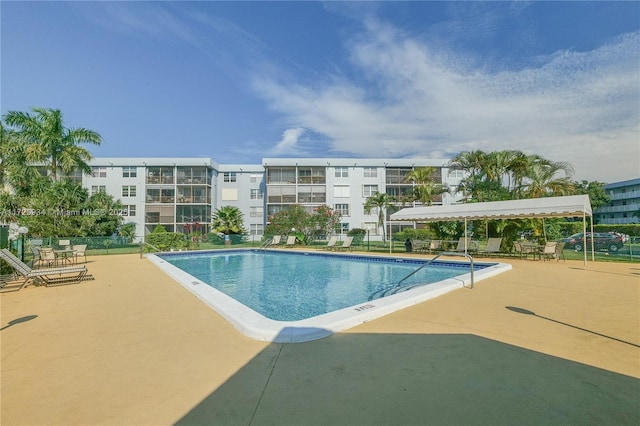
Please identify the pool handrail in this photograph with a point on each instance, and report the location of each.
(444, 253)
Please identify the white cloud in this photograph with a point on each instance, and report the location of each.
(288, 145)
(581, 107)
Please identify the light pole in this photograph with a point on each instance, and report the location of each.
(22, 231)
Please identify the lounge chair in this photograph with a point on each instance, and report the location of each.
(331, 244)
(346, 244)
(49, 276)
(434, 246)
(275, 241)
(470, 245)
(549, 250)
(291, 241)
(79, 250)
(493, 246)
(418, 246)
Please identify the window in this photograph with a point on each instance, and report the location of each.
(256, 211)
(456, 173)
(229, 176)
(255, 178)
(129, 210)
(371, 227)
(369, 190)
(129, 191)
(343, 209)
(256, 229)
(341, 191)
(129, 172)
(99, 172)
(98, 188)
(370, 172)
(256, 194)
(229, 194)
(342, 228)
(342, 172)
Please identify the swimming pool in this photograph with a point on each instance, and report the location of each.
(282, 296)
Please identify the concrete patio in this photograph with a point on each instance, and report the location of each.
(545, 343)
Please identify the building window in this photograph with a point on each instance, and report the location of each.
(342, 172)
(129, 191)
(129, 172)
(256, 194)
(456, 173)
(371, 227)
(98, 188)
(255, 178)
(369, 190)
(343, 209)
(342, 228)
(341, 191)
(370, 172)
(129, 210)
(256, 211)
(99, 172)
(230, 176)
(229, 194)
(256, 229)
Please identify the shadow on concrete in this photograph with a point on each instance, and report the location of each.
(19, 320)
(405, 379)
(528, 312)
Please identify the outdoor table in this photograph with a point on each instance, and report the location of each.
(531, 248)
(65, 255)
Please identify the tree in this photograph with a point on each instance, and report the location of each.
(383, 202)
(325, 219)
(543, 180)
(426, 188)
(49, 142)
(228, 220)
(595, 190)
(128, 231)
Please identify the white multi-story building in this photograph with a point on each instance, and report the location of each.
(625, 202)
(183, 192)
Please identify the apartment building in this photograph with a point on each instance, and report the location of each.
(625, 201)
(181, 193)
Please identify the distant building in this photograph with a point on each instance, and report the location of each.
(177, 193)
(625, 201)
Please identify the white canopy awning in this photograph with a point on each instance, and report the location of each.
(570, 206)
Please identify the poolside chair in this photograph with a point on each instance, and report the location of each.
(435, 246)
(49, 276)
(470, 245)
(48, 256)
(560, 251)
(346, 244)
(331, 244)
(79, 250)
(418, 246)
(36, 256)
(493, 246)
(291, 241)
(275, 241)
(549, 250)
(64, 244)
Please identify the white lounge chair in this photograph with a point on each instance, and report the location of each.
(493, 246)
(331, 244)
(291, 241)
(49, 276)
(346, 244)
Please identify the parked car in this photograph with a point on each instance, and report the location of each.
(611, 242)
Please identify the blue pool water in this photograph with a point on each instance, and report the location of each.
(286, 286)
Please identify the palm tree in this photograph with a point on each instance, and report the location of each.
(542, 178)
(426, 188)
(228, 220)
(48, 141)
(383, 202)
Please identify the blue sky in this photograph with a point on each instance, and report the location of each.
(239, 81)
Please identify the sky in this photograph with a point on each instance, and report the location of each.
(242, 81)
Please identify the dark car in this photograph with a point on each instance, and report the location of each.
(611, 242)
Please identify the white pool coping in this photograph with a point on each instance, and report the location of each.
(256, 326)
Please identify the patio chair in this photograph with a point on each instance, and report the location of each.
(346, 244)
(418, 246)
(549, 250)
(560, 251)
(79, 250)
(470, 245)
(48, 256)
(331, 243)
(518, 249)
(64, 244)
(36, 257)
(434, 246)
(291, 241)
(49, 276)
(493, 246)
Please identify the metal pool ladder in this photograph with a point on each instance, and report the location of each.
(264, 245)
(445, 253)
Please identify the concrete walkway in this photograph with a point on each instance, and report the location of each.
(545, 343)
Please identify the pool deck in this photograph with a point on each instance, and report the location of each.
(544, 343)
